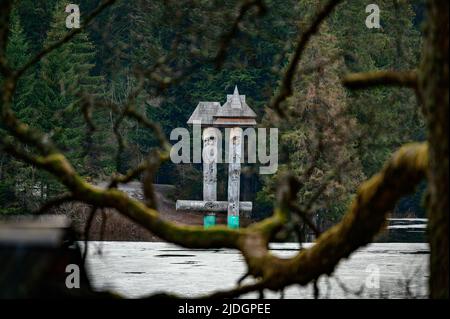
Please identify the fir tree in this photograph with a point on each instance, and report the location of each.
(18, 53)
(65, 75)
(15, 177)
(390, 116)
(386, 117)
(320, 132)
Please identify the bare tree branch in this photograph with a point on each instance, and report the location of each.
(285, 90)
(364, 219)
(381, 78)
(54, 202)
(228, 37)
(5, 12)
(87, 229)
(305, 217)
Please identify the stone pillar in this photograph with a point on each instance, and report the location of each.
(209, 160)
(234, 176)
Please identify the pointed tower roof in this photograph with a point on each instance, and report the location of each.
(235, 111)
(235, 99)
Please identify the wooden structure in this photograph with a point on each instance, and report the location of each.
(235, 114)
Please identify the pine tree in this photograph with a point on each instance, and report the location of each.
(18, 54)
(320, 132)
(389, 116)
(35, 19)
(386, 117)
(66, 74)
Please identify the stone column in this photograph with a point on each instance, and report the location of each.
(209, 159)
(234, 176)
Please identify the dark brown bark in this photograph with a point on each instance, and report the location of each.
(433, 85)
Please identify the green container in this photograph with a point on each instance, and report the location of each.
(233, 222)
(209, 221)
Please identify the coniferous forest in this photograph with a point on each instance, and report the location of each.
(101, 61)
(353, 105)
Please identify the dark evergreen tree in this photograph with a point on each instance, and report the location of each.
(15, 177)
(65, 76)
(319, 133)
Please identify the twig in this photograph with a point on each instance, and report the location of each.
(316, 291)
(227, 37)
(381, 78)
(105, 4)
(55, 202)
(87, 229)
(348, 290)
(285, 90)
(305, 217)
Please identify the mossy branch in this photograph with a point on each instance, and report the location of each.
(365, 218)
(381, 78)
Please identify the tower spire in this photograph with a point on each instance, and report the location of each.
(236, 99)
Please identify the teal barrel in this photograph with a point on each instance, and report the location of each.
(209, 220)
(233, 221)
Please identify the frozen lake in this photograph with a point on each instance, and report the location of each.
(137, 269)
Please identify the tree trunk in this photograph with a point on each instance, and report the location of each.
(433, 86)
